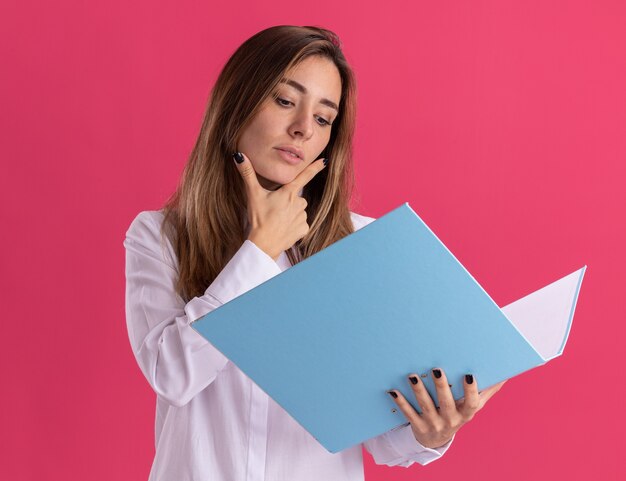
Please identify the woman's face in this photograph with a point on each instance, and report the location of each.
(298, 118)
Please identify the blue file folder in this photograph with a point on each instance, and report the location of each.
(329, 336)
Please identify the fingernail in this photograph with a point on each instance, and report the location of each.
(238, 157)
(413, 379)
(392, 394)
(326, 161)
(469, 378)
(437, 373)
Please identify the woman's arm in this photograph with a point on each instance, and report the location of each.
(176, 360)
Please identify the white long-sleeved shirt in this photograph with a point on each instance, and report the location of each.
(213, 423)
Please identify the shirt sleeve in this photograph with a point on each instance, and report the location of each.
(398, 447)
(176, 360)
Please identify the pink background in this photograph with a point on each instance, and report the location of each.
(502, 124)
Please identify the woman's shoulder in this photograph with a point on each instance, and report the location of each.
(146, 222)
(144, 235)
(145, 230)
(360, 220)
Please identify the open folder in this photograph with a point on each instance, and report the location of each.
(329, 336)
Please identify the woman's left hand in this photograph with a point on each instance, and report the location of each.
(435, 426)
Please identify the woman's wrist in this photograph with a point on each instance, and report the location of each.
(259, 241)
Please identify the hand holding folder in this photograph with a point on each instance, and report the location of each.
(347, 324)
(433, 427)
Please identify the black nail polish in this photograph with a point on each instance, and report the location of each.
(413, 379)
(392, 394)
(469, 378)
(326, 161)
(238, 157)
(437, 373)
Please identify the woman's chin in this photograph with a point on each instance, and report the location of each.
(274, 182)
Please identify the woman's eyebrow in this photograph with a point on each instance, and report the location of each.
(302, 88)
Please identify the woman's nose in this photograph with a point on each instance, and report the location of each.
(302, 125)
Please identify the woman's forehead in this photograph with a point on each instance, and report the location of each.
(317, 76)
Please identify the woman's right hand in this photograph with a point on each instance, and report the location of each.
(277, 218)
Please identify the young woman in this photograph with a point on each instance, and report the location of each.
(284, 104)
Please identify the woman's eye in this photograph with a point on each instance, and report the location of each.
(279, 100)
(286, 103)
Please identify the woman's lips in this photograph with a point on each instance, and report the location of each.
(287, 157)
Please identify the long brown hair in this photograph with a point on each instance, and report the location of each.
(205, 216)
